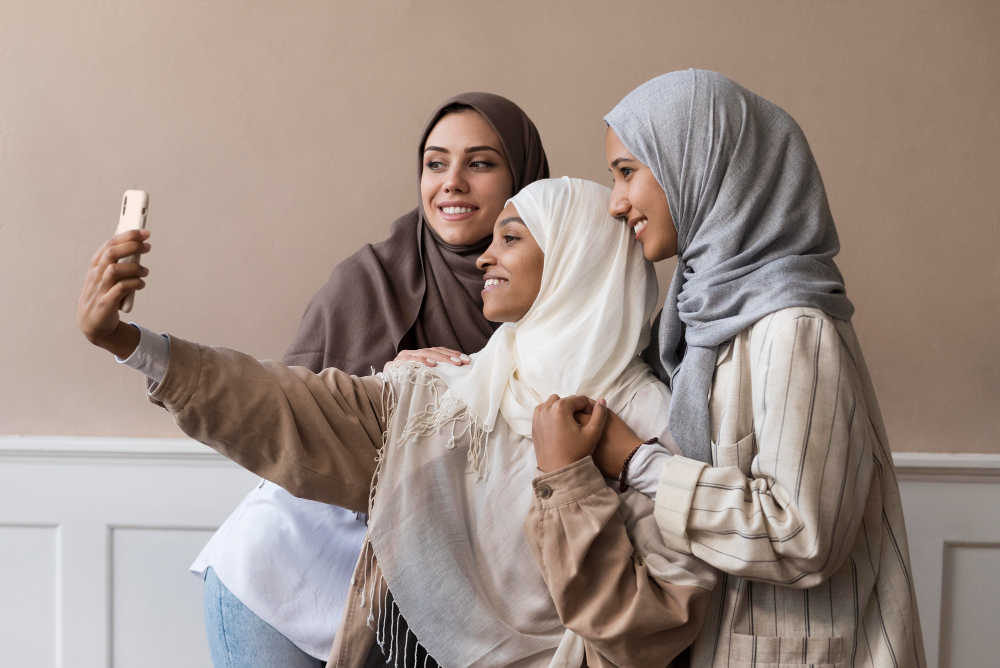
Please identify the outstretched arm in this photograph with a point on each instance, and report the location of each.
(316, 435)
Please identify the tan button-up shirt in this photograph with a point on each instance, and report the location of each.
(801, 511)
(316, 435)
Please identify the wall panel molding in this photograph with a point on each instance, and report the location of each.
(166, 495)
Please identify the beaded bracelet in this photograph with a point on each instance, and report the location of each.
(622, 485)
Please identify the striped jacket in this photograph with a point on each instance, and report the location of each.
(801, 511)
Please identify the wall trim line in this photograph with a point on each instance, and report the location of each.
(105, 450)
(927, 466)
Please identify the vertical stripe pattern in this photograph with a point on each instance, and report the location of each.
(801, 509)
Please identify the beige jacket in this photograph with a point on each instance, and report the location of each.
(316, 435)
(801, 510)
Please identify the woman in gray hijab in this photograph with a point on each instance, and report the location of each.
(786, 482)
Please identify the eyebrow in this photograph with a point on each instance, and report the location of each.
(512, 219)
(471, 149)
(618, 161)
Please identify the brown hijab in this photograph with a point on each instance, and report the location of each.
(413, 290)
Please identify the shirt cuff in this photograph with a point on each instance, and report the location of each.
(674, 497)
(568, 484)
(645, 466)
(151, 355)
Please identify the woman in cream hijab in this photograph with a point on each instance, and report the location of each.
(486, 547)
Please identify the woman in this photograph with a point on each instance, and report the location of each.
(278, 569)
(456, 468)
(786, 484)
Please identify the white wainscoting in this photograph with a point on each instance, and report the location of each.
(96, 535)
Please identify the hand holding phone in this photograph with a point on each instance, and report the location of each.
(113, 276)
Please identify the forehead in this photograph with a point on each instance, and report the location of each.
(457, 131)
(614, 147)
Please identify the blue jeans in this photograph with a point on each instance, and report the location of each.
(238, 638)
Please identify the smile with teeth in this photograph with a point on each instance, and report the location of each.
(641, 225)
(456, 209)
(492, 282)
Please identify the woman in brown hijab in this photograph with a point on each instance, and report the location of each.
(277, 571)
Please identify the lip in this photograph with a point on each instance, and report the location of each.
(456, 216)
(633, 223)
(505, 283)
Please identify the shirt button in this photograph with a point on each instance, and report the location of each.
(543, 491)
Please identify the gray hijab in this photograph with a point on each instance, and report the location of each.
(754, 229)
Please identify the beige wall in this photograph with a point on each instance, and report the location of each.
(276, 138)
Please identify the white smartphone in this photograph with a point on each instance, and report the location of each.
(133, 217)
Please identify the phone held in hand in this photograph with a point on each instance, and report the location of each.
(133, 217)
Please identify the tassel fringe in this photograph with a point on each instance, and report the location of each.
(442, 413)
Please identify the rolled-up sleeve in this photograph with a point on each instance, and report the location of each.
(789, 517)
(632, 608)
(316, 435)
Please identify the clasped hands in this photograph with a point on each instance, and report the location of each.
(565, 430)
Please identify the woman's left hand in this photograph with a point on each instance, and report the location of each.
(430, 357)
(559, 438)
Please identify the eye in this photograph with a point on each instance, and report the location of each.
(627, 172)
(482, 164)
(509, 238)
(434, 165)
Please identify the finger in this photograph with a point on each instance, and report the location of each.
(589, 408)
(121, 289)
(115, 273)
(454, 356)
(577, 403)
(594, 428)
(100, 252)
(130, 235)
(439, 356)
(118, 251)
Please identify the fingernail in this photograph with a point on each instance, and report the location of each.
(466, 358)
(456, 359)
(146, 246)
(430, 362)
(602, 402)
(144, 233)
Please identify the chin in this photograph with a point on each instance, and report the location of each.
(464, 233)
(494, 315)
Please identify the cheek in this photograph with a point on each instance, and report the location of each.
(428, 186)
(497, 188)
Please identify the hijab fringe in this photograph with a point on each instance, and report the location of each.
(443, 412)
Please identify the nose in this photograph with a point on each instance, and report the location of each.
(487, 259)
(455, 181)
(619, 206)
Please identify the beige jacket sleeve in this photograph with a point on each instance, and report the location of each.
(784, 503)
(627, 607)
(316, 435)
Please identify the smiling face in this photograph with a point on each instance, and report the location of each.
(639, 201)
(513, 265)
(465, 179)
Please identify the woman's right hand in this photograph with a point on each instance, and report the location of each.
(430, 357)
(105, 287)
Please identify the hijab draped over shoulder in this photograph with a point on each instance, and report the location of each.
(754, 230)
(413, 290)
(446, 520)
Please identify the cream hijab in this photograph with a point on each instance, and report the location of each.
(588, 324)
(454, 480)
